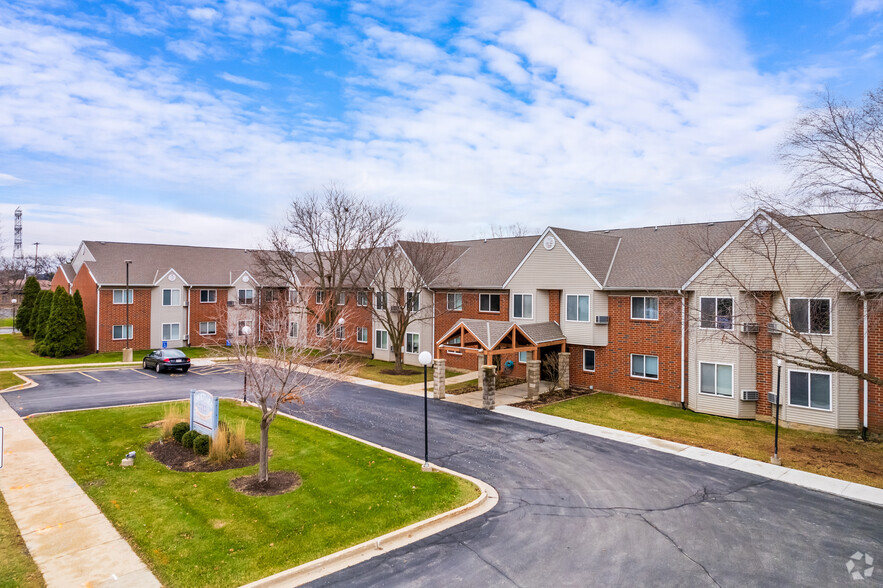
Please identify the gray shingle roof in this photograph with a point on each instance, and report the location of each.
(490, 332)
(484, 263)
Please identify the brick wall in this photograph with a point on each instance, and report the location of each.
(661, 338)
(555, 306)
(89, 293)
(59, 279)
(111, 314)
(875, 366)
(354, 316)
(445, 319)
(764, 375)
(206, 312)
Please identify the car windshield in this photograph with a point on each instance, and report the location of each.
(174, 353)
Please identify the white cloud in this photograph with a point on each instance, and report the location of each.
(9, 180)
(203, 13)
(867, 6)
(234, 79)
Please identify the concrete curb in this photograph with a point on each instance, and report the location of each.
(835, 486)
(351, 556)
(28, 383)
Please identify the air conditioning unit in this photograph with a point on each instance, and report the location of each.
(771, 398)
(602, 320)
(230, 303)
(773, 329)
(749, 395)
(395, 309)
(750, 327)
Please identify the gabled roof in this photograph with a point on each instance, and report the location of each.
(483, 263)
(489, 333)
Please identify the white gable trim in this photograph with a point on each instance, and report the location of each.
(566, 248)
(176, 272)
(457, 326)
(245, 273)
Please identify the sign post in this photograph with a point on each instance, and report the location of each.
(204, 412)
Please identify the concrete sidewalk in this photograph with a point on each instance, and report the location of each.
(71, 541)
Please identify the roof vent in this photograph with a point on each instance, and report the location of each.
(656, 228)
(485, 240)
(607, 231)
(710, 224)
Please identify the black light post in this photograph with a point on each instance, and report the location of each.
(246, 330)
(13, 315)
(775, 459)
(425, 359)
(128, 263)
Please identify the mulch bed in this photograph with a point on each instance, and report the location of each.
(277, 483)
(176, 457)
(552, 397)
(401, 373)
(504, 382)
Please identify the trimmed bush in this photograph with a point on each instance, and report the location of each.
(187, 439)
(201, 444)
(179, 430)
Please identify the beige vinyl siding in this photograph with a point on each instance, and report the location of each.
(237, 312)
(746, 378)
(849, 334)
(160, 314)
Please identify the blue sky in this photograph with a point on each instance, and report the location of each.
(189, 121)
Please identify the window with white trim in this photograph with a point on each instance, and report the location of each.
(320, 296)
(412, 343)
(522, 306)
(716, 312)
(361, 334)
(361, 298)
(208, 296)
(455, 301)
(208, 328)
(171, 297)
(588, 360)
(340, 333)
(645, 366)
(380, 300)
(456, 342)
(293, 296)
(119, 296)
(242, 324)
(645, 308)
(246, 296)
(811, 315)
(381, 339)
(716, 379)
(171, 331)
(522, 357)
(578, 308)
(809, 389)
(489, 303)
(320, 330)
(293, 329)
(412, 301)
(341, 299)
(119, 331)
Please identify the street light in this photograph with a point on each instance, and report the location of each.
(246, 330)
(775, 458)
(425, 358)
(13, 315)
(128, 263)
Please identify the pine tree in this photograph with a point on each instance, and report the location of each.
(34, 320)
(81, 320)
(30, 294)
(60, 339)
(44, 310)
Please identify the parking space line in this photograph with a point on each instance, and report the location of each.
(142, 373)
(88, 376)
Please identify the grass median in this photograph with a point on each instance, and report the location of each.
(840, 456)
(379, 371)
(192, 527)
(17, 568)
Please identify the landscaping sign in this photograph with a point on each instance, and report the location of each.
(203, 412)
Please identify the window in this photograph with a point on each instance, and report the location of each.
(811, 315)
(412, 301)
(577, 308)
(119, 331)
(320, 296)
(588, 360)
(171, 331)
(489, 303)
(523, 306)
(268, 295)
(455, 301)
(522, 357)
(716, 313)
(293, 297)
(716, 379)
(119, 297)
(645, 308)
(380, 300)
(809, 389)
(320, 330)
(412, 343)
(171, 297)
(645, 366)
(340, 332)
(361, 334)
(454, 341)
(361, 298)
(341, 299)
(243, 324)
(208, 295)
(208, 328)
(381, 339)
(293, 329)
(246, 296)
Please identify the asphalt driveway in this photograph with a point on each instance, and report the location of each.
(574, 510)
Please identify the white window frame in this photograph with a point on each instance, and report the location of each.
(594, 358)
(171, 292)
(381, 300)
(244, 323)
(361, 334)
(170, 325)
(240, 296)
(410, 298)
(385, 338)
(214, 329)
(409, 342)
(122, 295)
(320, 330)
(808, 405)
(361, 298)
(522, 354)
(341, 299)
(643, 318)
(645, 356)
(588, 310)
(489, 295)
(519, 308)
(458, 296)
(122, 328)
(319, 296)
(340, 332)
(213, 296)
(716, 316)
(717, 394)
(293, 329)
(454, 351)
(809, 315)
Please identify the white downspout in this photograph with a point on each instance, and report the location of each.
(189, 291)
(683, 331)
(866, 366)
(98, 320)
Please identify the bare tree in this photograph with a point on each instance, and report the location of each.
(514, 230)
(400, 281)
(328, 244)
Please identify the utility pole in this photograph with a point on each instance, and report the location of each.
(36, 248)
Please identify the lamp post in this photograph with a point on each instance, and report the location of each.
(340, 323)
(425, 359)
(775, 458)
(13, 315)
(127, 354)
(246, 330)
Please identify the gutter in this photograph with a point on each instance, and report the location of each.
(683, 332)
(98, 318)
(866, 366)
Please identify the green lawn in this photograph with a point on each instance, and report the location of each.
(373, 370)
(6, 322)
(17, 569)
(838, 456)
(194, 530)
(15, 351)
(8, 379)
